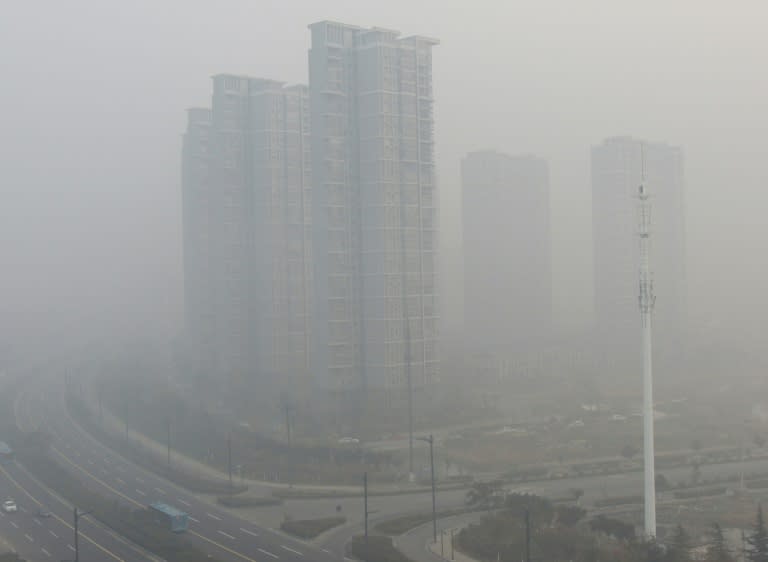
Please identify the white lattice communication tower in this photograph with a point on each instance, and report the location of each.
(647, 300)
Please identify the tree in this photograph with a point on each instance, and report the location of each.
(695, 474)
(662, 483)
(757, 541)
(628, 451)
(484, 494)
(679, 547)
(717, 547)
(569, 515)
(613, 527)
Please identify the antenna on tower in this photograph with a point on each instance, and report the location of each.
(646, 300)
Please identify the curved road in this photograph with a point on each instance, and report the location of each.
(215, 531)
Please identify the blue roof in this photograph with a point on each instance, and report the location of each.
(4, 448)
(167, 509)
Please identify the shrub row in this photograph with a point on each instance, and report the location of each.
(380, 549)
(699, 493)
(619, 500)
(248, 501)
(310, 528)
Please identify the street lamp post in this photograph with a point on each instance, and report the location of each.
(431, 441)
(77, 515)
(229, 459)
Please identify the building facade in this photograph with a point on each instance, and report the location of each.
(258, 275)
(618, 165)
(198, 250)
(507, 256)
(374, 208)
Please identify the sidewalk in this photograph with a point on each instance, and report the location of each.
(417, 543)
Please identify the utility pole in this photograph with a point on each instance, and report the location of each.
(365, 507)
(101, 410)
(452, 554)
(527, 535)
(431, 441)
(168, 441)
(229, 459)
(288, 421)
(77, 514)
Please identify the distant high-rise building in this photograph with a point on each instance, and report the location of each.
(618, 165)
(374, 209)
(199, 303)
(507, 265)
(249, 215)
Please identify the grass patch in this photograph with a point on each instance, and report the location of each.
(618, 500)
(700, 493)
(310, 528)
(248, 501)
(299, 493)
(380, 549)
(400, 525)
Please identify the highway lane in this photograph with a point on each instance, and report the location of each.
(215, 531)
(52, 538)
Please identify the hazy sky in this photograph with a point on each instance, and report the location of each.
(92, 104)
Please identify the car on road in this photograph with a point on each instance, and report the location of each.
(43, 512)
(9, 506)
(349, 440)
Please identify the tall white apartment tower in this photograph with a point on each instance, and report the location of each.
(617, 170)
(247, 211)
(507, 264)
(374, 209)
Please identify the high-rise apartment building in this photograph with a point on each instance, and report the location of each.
(618, 165)
(197, 240)
(374, 209)
(257, 228)
(507, 264)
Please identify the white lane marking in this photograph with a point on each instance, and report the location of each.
(22, 509)
(212, 516)
(140, 492)
(268, 553)
(291, 550)
(139, 480)
(120, 481)
(193, 519)
(247, 532)
(90, 461)
(14, 524)
(183, 502)
(54, 534)
(45, 551)
(159, 491)
(37, 521)
(325, 550)
(70, 547)
(226, 535)
(30, 539)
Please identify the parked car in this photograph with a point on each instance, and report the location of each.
(9, 506)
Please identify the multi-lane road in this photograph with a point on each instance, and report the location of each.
(217, 532)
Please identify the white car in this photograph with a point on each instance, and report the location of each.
(9, 506)
(348, 440)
